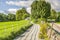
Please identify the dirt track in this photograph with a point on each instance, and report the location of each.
(30, 34)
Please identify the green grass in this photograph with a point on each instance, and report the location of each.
(6, 28)
(58, 22)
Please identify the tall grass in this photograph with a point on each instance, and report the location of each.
(43, 31)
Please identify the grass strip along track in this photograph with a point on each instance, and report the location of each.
(10, 30)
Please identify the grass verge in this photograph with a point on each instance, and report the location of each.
(43, 31)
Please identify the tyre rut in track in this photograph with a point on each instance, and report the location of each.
(31, 34)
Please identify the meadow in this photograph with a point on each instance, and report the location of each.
(9, 29)
(58, 22)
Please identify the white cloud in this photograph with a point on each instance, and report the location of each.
(11, 2)
(19, 3)
(11, 10)
(29, 10)
(55, 4)
(1, 11)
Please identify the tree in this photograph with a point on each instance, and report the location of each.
(11, 17)
(40, 9)
(58, 18)
(58, 13)
(21, 14)
(34, 14)
(53, 14)
(3, 17)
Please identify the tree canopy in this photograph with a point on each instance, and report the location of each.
(11, 17)
(21, 14)
(40, 9)
(7, 17)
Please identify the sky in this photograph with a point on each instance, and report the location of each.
(14, 5)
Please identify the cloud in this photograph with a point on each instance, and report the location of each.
(19, 3)
(11, 10)
(55, 4)
(29, 10)
(1, 11)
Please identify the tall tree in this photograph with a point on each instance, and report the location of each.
(40, 9)
(21, 14)
(34, 10)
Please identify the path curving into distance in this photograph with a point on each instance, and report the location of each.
(30, 34)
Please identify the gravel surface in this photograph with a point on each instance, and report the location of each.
(30, 34)
(55, 34)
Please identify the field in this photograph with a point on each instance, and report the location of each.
(58, 22)
(6, 28)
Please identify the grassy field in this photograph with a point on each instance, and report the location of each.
(6, 28)
(58, 22)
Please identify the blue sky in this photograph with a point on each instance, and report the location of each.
(13, 5)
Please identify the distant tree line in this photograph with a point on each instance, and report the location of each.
(58, 17)
(55, 15)
(21, 14)
(7, 17)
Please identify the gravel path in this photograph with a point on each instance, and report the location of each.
(30, 34)
(56, 27)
